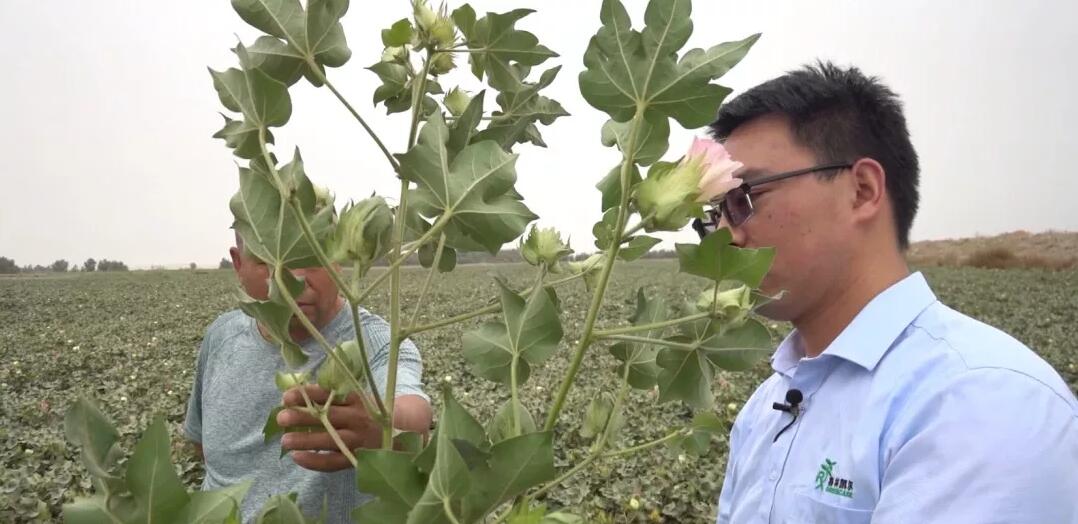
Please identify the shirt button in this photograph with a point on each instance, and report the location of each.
(773, 475)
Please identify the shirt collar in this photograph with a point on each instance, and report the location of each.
(872, 331)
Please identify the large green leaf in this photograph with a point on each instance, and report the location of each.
(218, 505)
(494, 42)
(627, 70)
(475, 187)
(275, 318)
(606, 229)
(738, 348)
(450, 478)
(281, 509)
(458, 425)
(637, 247)
(643, 371)
(686, 375)
(705, 425)
(464, 126)
(516, 464)
(717, 259)
(521, 108)
(269, 227)
(392, 477)
(151, 479)
(87, 427)
(394, 81)
(242, 138)
(501, 426)
(610, 185)
(529, 331)
(652, 140)
(263, 101)
(89, 511)
(277, 59)
(687, 372)
(314, 35)
(398, 34)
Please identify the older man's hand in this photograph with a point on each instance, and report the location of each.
(317, 450)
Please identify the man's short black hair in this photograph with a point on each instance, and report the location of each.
(841, 115)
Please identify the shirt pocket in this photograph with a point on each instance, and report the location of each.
(812, 510)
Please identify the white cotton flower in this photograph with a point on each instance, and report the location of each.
(29, 451)
(169, 392)
(732, 406)
(682, 458)
(124, 399)
(69, 341)
(634, 503)
(74, 348)
(448, 378)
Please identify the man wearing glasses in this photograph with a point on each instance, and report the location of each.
(896, 408)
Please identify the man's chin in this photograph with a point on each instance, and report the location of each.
(777, 310)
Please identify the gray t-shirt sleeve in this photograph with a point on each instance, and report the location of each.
(409, 362)
(192, 422)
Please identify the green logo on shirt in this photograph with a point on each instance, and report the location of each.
(827, 481)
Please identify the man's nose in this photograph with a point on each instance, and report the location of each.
(737, 234)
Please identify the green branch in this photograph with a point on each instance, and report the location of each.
(395, 338)
(656, 341)
(327, 348)
(367, 373)
(426, 283)
(604, 277)
(607, 333)
(485, 310)
(374, 136)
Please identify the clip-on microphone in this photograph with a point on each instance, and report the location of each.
(792, 406)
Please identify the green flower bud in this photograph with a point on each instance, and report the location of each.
(363, 234)
(424, 15)
(589, 268)
(442, 64)
(456, 101)
(544, 247)
(333, 376)
(666, 199)
(436, 29)
(443, 33)
(394, 54)
(286, 381)
(733, 305)
(322, 198)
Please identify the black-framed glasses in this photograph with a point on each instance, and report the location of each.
(736, 204)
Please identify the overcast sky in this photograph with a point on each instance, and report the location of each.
(106, 112)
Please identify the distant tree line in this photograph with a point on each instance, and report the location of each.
(8, 266)
(513, 255)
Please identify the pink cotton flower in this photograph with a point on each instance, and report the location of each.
(709, 157)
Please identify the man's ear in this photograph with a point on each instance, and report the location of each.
(869, 189)
(237, 257)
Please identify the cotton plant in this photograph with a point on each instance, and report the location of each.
(457, 176)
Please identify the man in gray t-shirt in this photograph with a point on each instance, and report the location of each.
(234, 392)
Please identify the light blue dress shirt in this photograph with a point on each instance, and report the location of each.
(914, 414)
